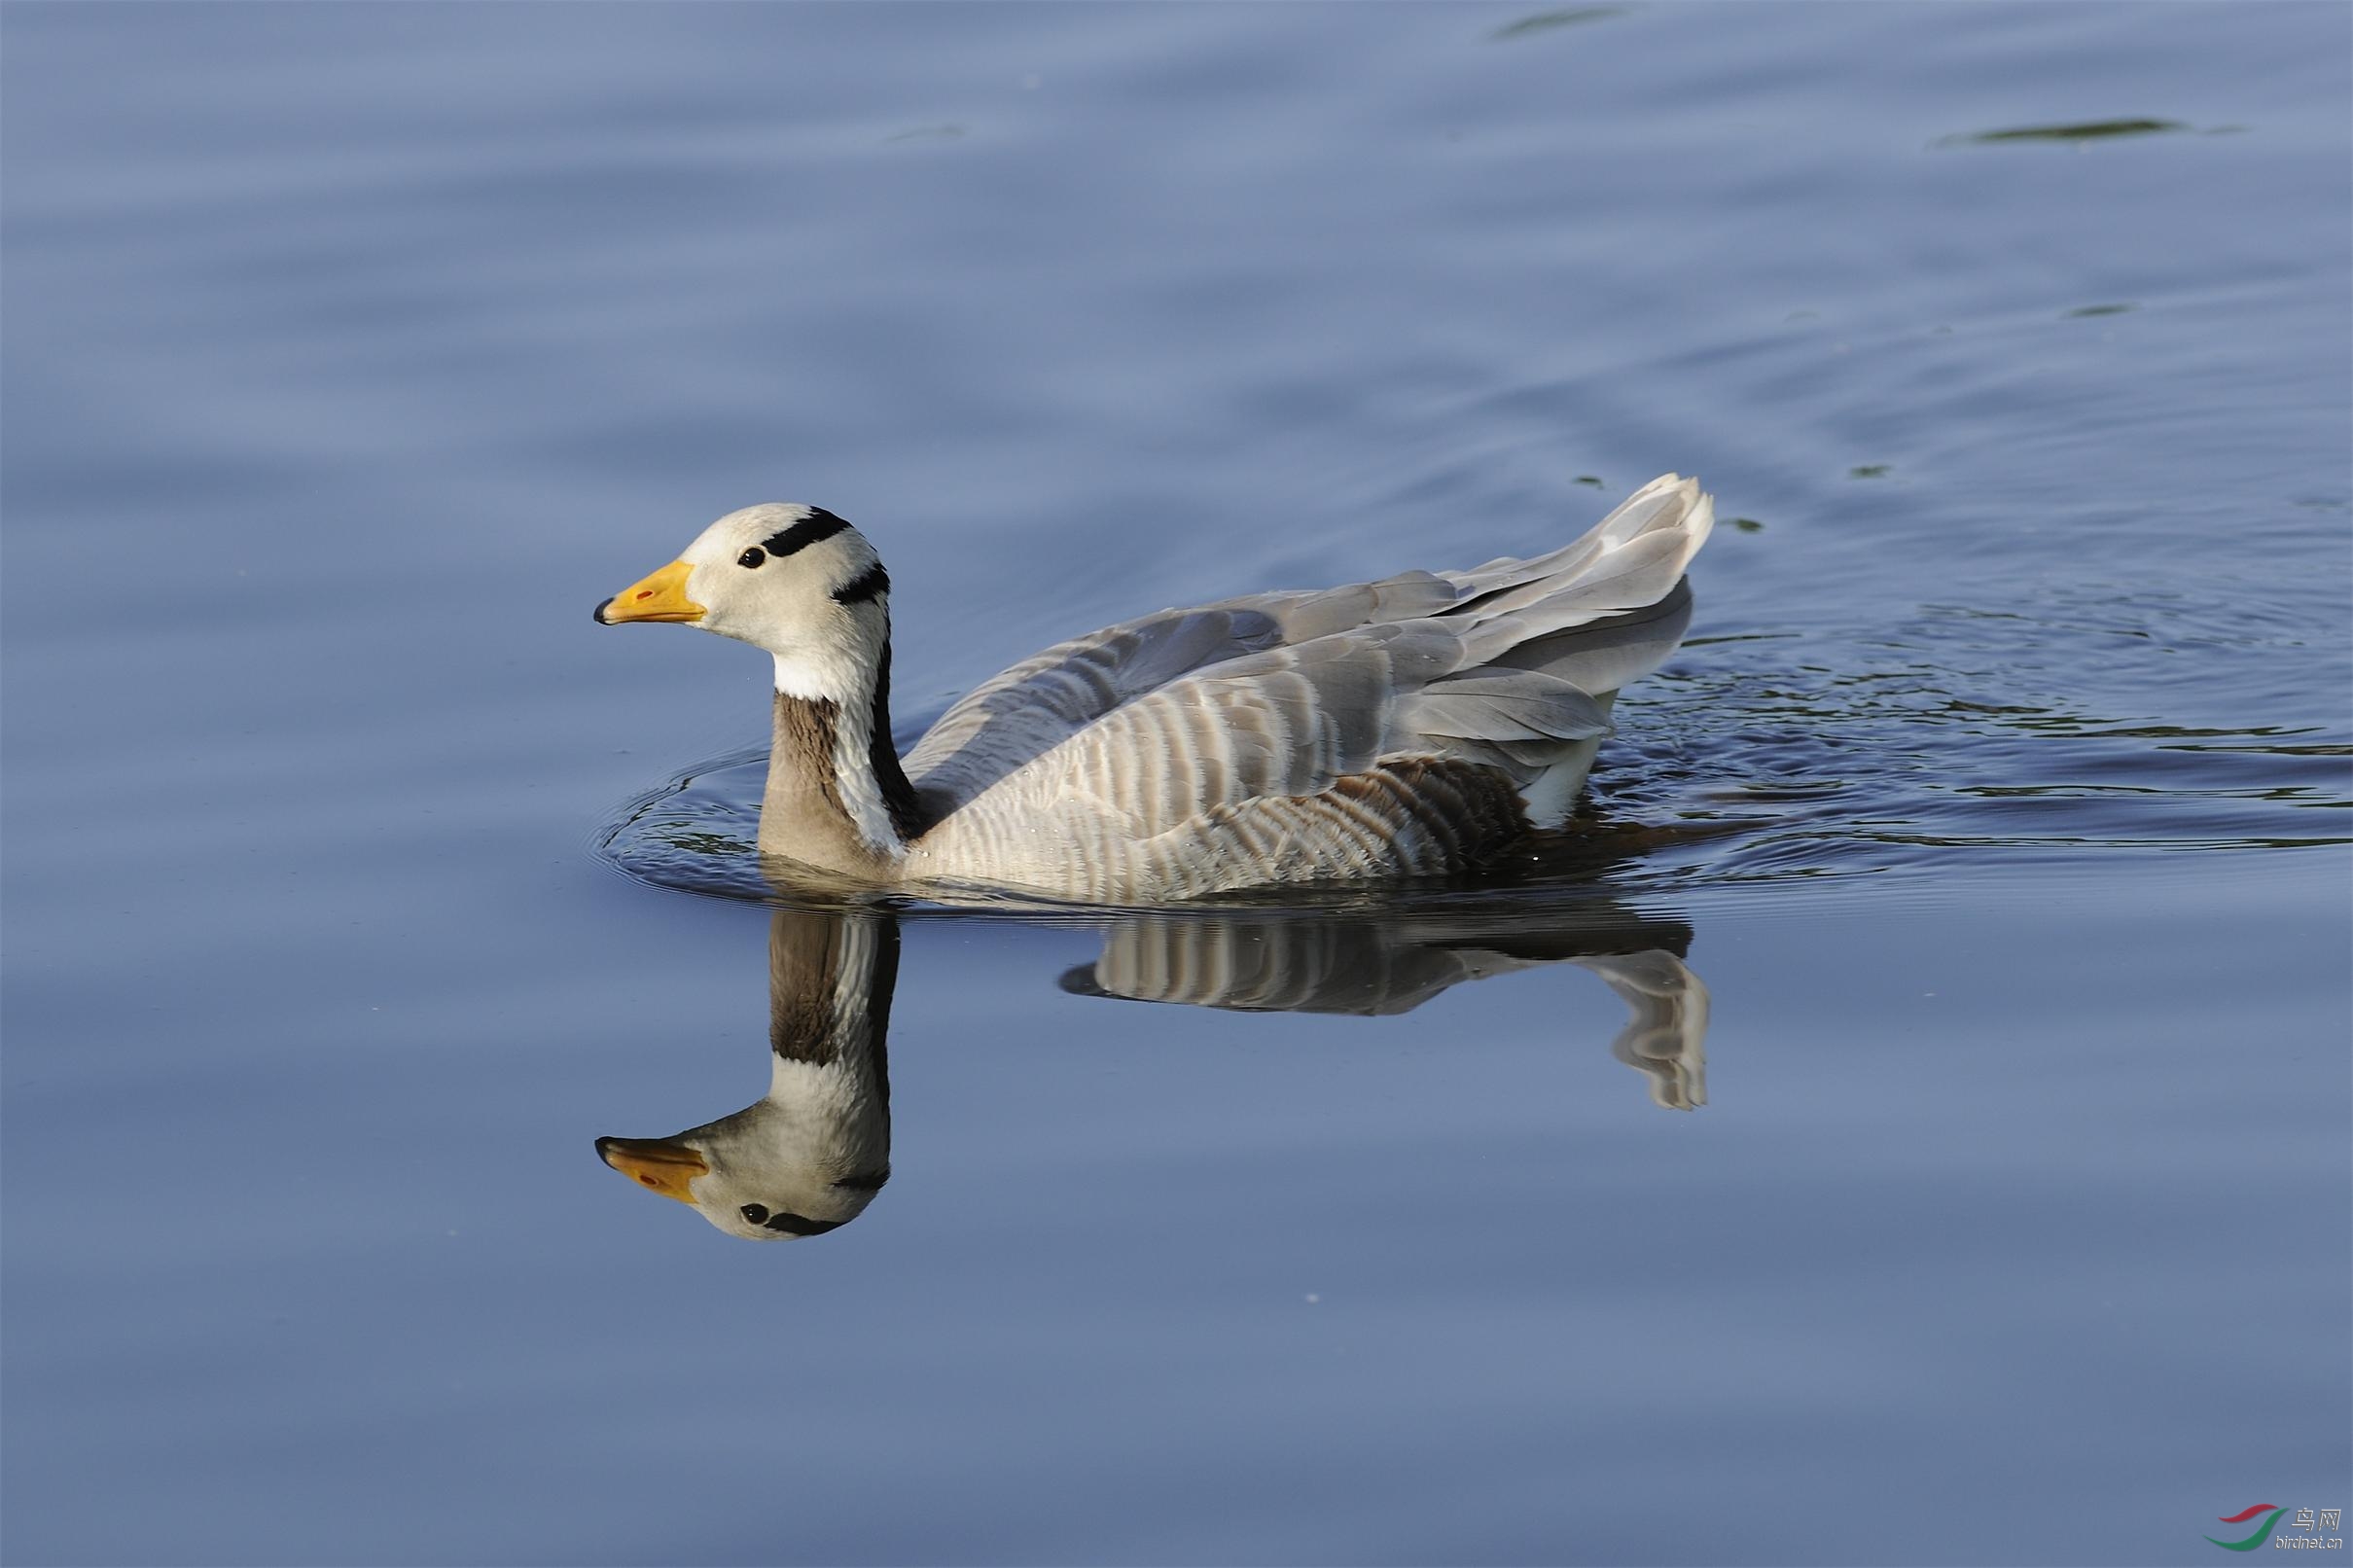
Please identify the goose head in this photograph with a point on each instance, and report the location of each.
(791, 579)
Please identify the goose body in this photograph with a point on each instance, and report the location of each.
(1416, 725)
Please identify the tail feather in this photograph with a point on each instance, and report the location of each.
(1547, 642)
(1668, 504)
(1606, 655)
(1629, 562)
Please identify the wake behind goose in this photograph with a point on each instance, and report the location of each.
(1418, 725)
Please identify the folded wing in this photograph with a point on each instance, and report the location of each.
(1147, 726)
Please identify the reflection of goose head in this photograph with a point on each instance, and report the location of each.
(813, 1153)
(1289, 964)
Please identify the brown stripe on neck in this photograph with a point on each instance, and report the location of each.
(807, 734)
(801, 814)
(804, 816)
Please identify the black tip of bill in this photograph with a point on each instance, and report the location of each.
(599, 611)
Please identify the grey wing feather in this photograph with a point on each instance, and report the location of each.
(1615, 651)
(1504, 704)
(1014, 717)
(1148, 725)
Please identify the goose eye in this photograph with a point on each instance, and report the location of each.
(752, 557)
(754, 1213)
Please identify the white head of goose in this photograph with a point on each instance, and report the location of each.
(1417, 725)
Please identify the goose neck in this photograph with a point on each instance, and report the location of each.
(837, 796)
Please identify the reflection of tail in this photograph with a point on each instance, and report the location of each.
(1294, 964)
(1666, 1038)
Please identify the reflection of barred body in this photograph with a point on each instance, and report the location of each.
(810, 1154)
(1374, 967)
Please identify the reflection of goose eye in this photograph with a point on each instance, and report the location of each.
(751, 557)
(754, 1213)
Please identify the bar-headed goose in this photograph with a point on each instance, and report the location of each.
(1416, 725)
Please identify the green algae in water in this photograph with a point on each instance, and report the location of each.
(2088, 131)
(716, 845)
(1545, 22)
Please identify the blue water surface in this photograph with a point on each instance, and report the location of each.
(1970, 1182)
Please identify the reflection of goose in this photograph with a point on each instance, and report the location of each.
(810, 1154)
(1389, 967)
(1412, 727)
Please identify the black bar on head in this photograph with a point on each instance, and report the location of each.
(866, 585)
(818, 524)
